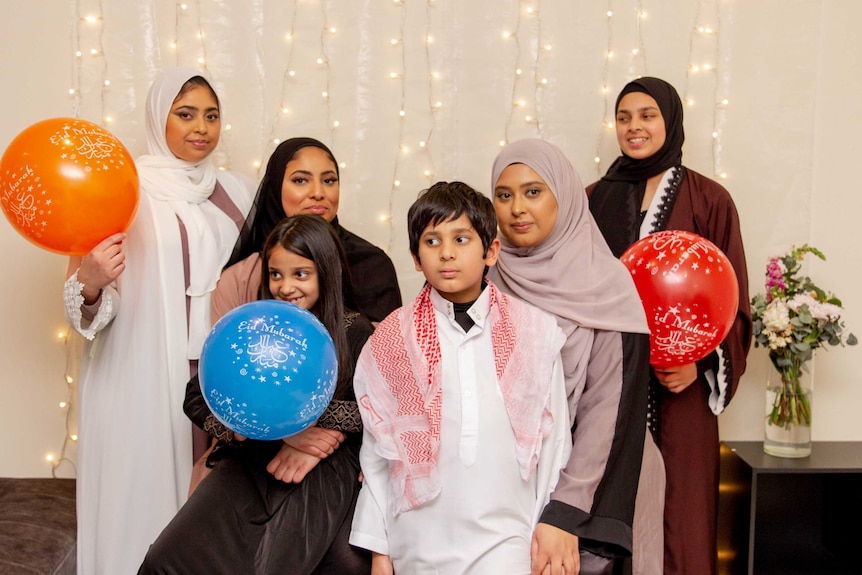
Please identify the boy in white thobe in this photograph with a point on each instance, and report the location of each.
(464, 407)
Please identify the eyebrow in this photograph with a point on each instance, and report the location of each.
(641, 109)
(304, 267)
(435, 232)
(195, 108)
(308, 173)
(533, 183)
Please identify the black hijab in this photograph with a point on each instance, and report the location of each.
(372, 286)
(267, 209)
(615, 200)
(626, 169)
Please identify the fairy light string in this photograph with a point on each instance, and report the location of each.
(77, 63)
(286, 81)
(721, 103)
(72, 348)
(516, 103)
(81, 37)
(539, 81)
(403, 148)
(605, 87)
(433, 78)
(626, 63)
(88, 47)
(325, 34)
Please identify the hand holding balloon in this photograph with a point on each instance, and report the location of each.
(689, 292)
(101, 267)
(676, 379)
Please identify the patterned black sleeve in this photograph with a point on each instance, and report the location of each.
(342, 416)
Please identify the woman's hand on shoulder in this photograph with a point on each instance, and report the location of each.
(291, 465)
(317, 441)
(102, 266)
(676, 379)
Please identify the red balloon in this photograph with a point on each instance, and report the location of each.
(689, 292)
(66, 184)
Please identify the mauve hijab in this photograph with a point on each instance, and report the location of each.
(572, 273)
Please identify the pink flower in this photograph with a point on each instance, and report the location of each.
(774, 278)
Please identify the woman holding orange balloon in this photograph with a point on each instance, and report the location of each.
(648, 190)
(142, 298)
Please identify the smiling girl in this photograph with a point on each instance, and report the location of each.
(648, 190)
(281, 506)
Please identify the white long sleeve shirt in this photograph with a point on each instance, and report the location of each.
(483, 519)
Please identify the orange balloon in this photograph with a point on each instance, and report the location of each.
(66, 184)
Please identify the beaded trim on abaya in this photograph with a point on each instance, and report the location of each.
(665, 206)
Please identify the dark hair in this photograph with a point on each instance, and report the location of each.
(198, 82)
(446, 201)
(267, 210)
(313, 238)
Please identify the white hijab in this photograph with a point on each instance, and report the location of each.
(180, 189)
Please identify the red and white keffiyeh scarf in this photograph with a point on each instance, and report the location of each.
(404, 391)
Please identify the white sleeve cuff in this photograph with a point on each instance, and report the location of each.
(370, 542)
(74, 300)
(718, 385)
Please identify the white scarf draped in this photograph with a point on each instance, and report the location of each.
(179, 190)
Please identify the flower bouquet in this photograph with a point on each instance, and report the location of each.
(792, 319)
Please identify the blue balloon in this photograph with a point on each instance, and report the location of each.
(268, 369)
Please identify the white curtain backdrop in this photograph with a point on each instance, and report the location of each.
(408, 92)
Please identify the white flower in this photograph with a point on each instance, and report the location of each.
(776, 317)
(818, 310)
(777, 341)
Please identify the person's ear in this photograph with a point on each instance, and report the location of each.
(492, 253)
(416, 262)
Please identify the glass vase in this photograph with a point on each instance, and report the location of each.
(788, 413)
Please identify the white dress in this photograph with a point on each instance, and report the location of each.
(135, 444)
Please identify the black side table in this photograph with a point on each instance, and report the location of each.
(790, 516)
